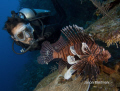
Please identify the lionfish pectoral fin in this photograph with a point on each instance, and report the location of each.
(71, 60)
(85, 49)
(69, 73)
(73, 51)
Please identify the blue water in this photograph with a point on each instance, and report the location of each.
(10, 63)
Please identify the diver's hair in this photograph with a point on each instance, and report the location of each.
(12, 22)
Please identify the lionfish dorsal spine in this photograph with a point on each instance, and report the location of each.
(74, 33)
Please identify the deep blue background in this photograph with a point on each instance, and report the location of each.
(10, 63)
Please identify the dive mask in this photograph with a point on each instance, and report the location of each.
(24, 32)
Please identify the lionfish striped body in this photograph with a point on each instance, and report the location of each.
(79, 50)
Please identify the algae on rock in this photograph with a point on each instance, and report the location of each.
(106, 29)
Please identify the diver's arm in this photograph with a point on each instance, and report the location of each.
(59, 10)
(55, 25)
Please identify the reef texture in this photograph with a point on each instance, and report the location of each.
(59, 84)
(107, 82)
(107, 28)
(104, 81)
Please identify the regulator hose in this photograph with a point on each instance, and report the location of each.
(27, 49)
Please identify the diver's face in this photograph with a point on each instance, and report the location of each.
(23, 33)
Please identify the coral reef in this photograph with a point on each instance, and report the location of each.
(109, 82)
(107, 29)
(104, 82)
(58, 85)
(47, 80)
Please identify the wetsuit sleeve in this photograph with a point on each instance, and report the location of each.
(60, 11)
(52, 32)
(52, 29)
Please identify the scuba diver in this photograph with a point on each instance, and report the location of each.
(29, 28)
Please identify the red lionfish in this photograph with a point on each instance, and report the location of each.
(77, 49)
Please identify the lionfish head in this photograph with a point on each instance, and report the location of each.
(105, 55)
